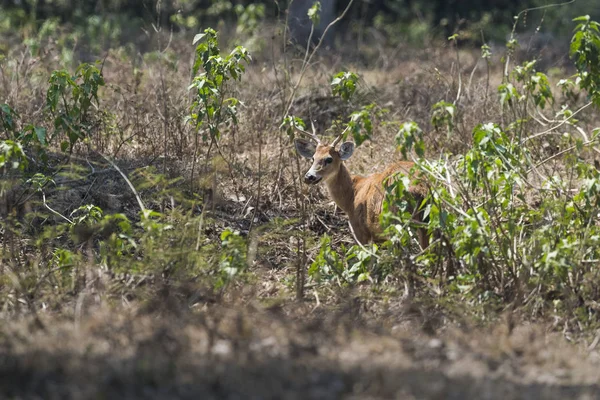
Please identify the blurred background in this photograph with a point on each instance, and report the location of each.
(390, 22)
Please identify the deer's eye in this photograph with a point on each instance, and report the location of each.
(328, 160)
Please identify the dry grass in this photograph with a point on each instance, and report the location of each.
(120, 336)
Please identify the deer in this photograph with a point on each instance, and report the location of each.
(360, 197)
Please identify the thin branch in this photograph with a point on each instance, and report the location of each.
(307, 61)
(137, 196)
(53, 210)
(560, 153)
(564, 121)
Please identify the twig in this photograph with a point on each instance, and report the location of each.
(471, 79)
(137, 196)
(369, 252)
(518, 17)
(308, 59)
(54, 211)
(564, 121)
(458, 92)
(560, 153)
(323, 223)
(317, 300)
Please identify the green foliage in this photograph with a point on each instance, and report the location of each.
(361, 122)
(416, 31)
(34, 134)
(532, 85)
(232, 261)
(38, 181)
(585, 51)
(410, 137)
(486, 52)
(493, 154)
(87, 214)
(330, 267)
(314, 13)
(289, 125)
(69, 98)
(443, 115)
(398, 208)
(344, 84)
(211, 108)
(359, 260)
(8, 118)
(29, 136)
(12, 156)
(535, 84)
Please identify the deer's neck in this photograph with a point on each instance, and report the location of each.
(341, 189)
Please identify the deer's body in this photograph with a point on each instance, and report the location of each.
(360, 197)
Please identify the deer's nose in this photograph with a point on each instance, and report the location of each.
(311, 178)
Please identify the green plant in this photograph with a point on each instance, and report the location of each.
(361, 122)
(410, 137)
(87, 214)
(232, 260)
(211, 107)
(12, 156)
(443, 115)
(328, 265)
(290, 123)
(585, 50)
(353, 267)
(344, 85)
(69, 98)
(314, 13)
(8, 118)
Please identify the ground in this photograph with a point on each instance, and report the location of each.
(238, 349)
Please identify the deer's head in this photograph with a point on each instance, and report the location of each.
(326, 159)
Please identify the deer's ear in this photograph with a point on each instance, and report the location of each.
(305, 148)
(346, 150)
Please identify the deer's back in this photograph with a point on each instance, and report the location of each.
(368, 201)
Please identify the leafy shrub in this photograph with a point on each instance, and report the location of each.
(69, 99)
(212, 72)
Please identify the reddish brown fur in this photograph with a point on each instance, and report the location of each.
(361, 197)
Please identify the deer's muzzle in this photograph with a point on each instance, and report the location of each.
(311, 179)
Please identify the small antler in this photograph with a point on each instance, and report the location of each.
(312, 135)
(339, 137)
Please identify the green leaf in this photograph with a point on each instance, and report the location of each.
(41, 135)
(314, 12)
(198, 38)
(583, 18)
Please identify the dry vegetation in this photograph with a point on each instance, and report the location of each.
(158, 320)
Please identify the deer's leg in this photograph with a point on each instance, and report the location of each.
(361, 235)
